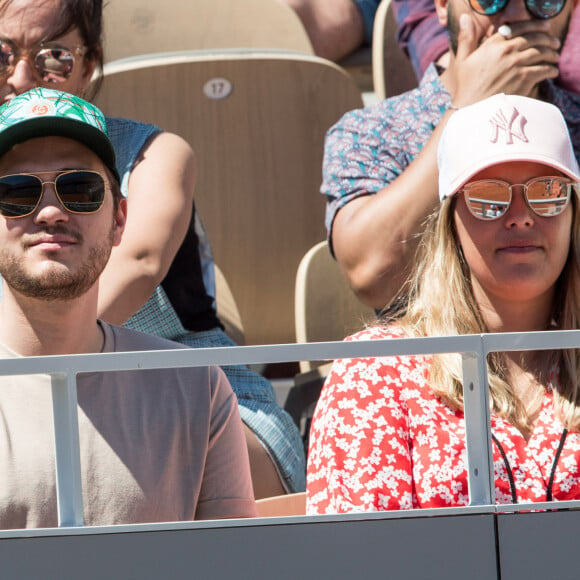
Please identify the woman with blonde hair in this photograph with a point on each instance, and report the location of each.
(501, 255)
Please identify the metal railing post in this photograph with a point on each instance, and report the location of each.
(67, 450)
(477, 429)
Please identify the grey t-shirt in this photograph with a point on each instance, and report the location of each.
(156, 445)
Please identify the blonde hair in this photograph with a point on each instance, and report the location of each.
(439, 301)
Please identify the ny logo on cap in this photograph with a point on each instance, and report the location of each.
(510, 126)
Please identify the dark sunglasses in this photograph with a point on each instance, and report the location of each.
(542, 9)
(489, 199)
(78, 191)
(53, 63)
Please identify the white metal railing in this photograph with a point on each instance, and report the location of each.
(472, 348)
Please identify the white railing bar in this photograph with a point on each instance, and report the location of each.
(510, 341)
(192, 357)
(251, 522)
(67, 450)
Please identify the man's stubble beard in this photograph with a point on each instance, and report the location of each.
(59, 285)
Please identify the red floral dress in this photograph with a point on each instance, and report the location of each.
(382, 440)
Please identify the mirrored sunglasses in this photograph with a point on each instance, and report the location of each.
(542, 9)
(78, 191)
(53, 63)
(489, 199)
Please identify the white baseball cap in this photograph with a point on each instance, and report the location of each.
(499, 129)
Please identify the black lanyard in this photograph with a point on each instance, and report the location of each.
(552, 472)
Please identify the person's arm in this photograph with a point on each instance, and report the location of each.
(226, 490)
(374, 237)
(160, 202)
(335, 28)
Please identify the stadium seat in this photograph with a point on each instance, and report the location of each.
(325, 306)
(227, 309)
(257, 122)
(135, 27)
(326, 309)
(392, 70)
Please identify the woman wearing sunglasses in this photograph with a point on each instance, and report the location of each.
(500, 254)
(156, 281)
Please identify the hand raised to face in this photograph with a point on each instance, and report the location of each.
(487, 62)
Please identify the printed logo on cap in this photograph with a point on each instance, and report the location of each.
(40, 107)
(509, 126)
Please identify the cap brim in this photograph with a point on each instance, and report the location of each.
(89, 136)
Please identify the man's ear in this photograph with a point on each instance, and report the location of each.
(120, 219)
(441, 7)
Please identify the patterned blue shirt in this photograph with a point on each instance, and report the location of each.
(369, 148)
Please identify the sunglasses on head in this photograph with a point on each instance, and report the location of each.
(542, 9)
(52, 62)
(78, 191)
(489, 199)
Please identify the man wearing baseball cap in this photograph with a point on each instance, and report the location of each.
(157, 445)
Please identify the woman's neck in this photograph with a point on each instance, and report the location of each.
(501, 315)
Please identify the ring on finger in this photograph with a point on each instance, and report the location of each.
(505, 31)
